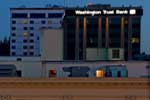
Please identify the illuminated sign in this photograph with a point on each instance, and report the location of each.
(79, 12)
(105, 12)
(132, 11)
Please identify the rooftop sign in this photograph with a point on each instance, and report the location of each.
(104, 12)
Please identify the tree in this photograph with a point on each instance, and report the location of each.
(5, 47)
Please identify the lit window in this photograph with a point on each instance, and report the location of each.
(25, 21)
(116, 53)
(99, 73)
(134, 40)
(25, 34)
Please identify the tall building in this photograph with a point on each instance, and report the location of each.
(102, 32)
(26, 25)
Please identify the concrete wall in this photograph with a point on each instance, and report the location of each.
(35, 68)
(103, 54)
(32, 69)
(96, 54)
(52, 44)
(135, 69)
(121, 51)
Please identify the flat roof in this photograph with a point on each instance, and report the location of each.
(53, 8)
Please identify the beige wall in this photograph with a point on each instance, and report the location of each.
(52, 44)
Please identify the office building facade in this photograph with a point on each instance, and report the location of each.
(26, 25)
(102, 32)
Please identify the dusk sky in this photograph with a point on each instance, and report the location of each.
(6, 4)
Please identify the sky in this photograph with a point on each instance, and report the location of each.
(6, 4)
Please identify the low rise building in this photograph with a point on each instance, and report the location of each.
(34, 67)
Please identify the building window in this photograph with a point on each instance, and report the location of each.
(13, 22)
(24, 47)
(31, 53)
(37, 15)
(13, 53)
(25, 41)
(25, 34)
(31, 28)
(31, 47)
(108, 73)
(31, 22)
(43, 27)
(19, 59)
(19, 15)
(38, 38)
(55, 15)
(31, 34)
(43, 22)
(13, 34)
(31, 41)
(25, 53)
(13, 28)
(13, 47)
(99, 73)
(134, 40)
(13, 41)
(115, 53)
(25, 21)
(119, 73)
(126, 21)
(49, 22)
(19, 73)
(52, 73)
(25, 28)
